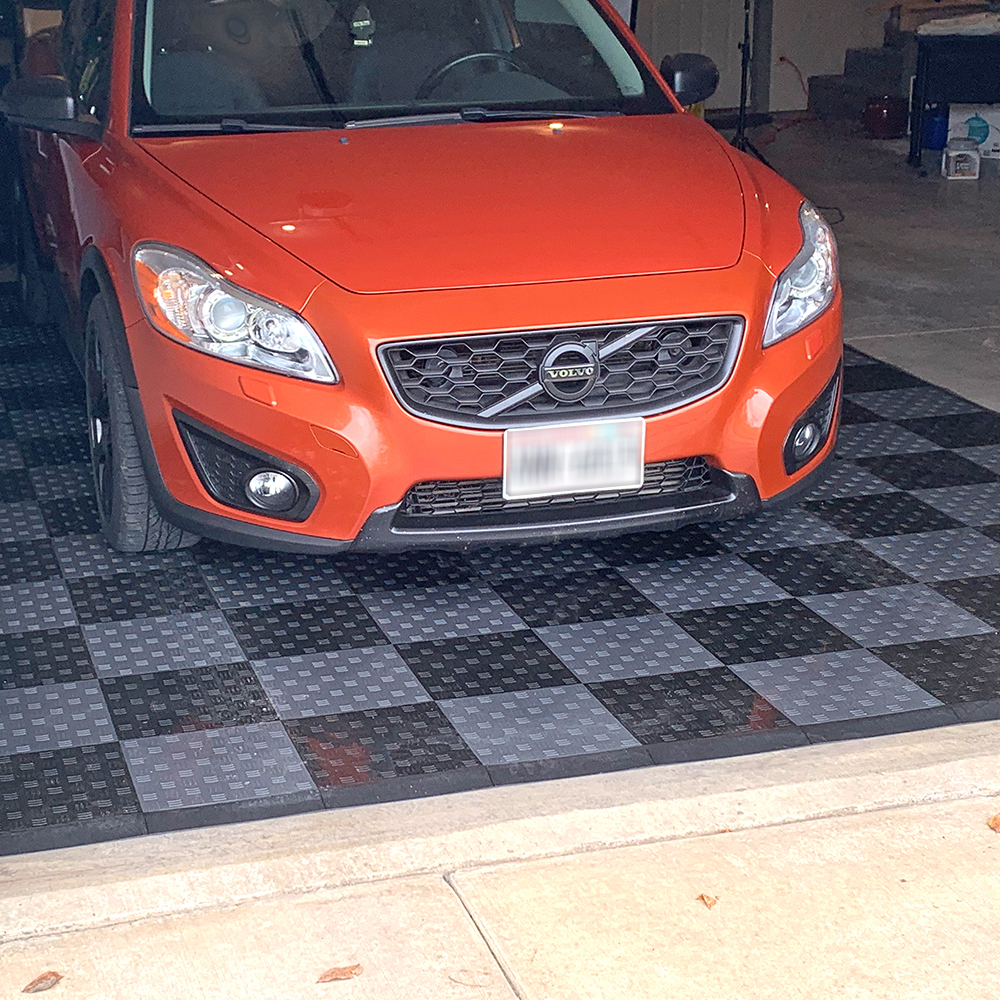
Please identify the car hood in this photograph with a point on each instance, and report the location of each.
(404, 208)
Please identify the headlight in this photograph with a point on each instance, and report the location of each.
(188, 302)
(807, 286)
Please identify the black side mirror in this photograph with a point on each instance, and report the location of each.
(45, 103)
(692, 77)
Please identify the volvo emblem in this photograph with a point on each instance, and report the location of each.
(569, 371)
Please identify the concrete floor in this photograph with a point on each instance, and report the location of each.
(919, 254)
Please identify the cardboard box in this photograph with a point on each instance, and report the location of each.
(980, 122)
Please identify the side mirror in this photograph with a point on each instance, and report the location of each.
(692, 77)
(45, 103)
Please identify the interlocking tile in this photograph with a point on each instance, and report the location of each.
(54, 482)
(939, 555)
(987, 456)
(490, 664)
(71, 516)
(866, 440)
(51, 423)
(959, 430)
(339, 682)
(852, 356)
(854, 684)
(744, 633)
(54, 369)
(515, 561)
(929, 470)
(878, 376)
(380, 745)
(702, 583)
(184, 701)
(440, 612)
(301, 629)
(140, 595)
(42, 605)
(197, 639)
(21, 522)
(47, 656)
(693, 705)
(875, 516)
(920, 401)
(52, 717)
(59, 450)
(15, 485)
(991, 531)
(560, 600)
(28, 561)
(852, 412)
(954, 670)
(216, 767)
(626, 647)
(10, 455)
(974, 505)
(846, 479)
(59, 787)
(766, 531)
(654, 547)
(894, 615)
(522, 726)
(826, 569)
(90, 555)
(396, 571)
(6, 427)
(38, 397)
(979, 594)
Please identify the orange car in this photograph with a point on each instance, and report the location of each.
(401, 273)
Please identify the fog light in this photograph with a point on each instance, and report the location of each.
(272, 490)
(805, 441)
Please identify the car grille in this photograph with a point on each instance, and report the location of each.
(482, 501)
(493, 380)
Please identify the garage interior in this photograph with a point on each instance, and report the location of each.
(151, 693)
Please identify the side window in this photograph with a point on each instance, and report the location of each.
(86, 53)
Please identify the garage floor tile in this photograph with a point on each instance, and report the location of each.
(53, 717)
(939, 555)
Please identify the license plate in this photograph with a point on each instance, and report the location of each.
(573, 458)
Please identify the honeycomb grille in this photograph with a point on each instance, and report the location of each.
(493, 380)
(485, 496)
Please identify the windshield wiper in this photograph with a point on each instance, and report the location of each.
(475, 114)
(231, 126)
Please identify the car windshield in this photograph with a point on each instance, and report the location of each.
(330, 62)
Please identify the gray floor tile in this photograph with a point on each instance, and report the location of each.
(57, 482)
(10, 455)
(833, 687)
(49, 422)
(939, 555)
(975, 504)
(273, 580)
(28, 606)
(867, 440)
(55, 716)
(198, 639)
(440, 612)
(625, 647)
(920, 401)
(845, 479)
(90, 555)
(215, 766)
(334, 683)
(22, 522)
(513, 562)
(769, 531)
(713, 582)
(986, 455)
(893, 615)
(536, 725)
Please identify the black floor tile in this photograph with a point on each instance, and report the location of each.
(882, 725)
(959, 430)
(367, 573)
(60, 450)
(649, 547)
(854, 413)
(6, 427)
(581, 597)
(298, 628)
(361, 750)
(139, 595)
(691, 705)
(45, 656)
(746, 633)
(71, 516)
(826, 569)
(244, 811)
(486, 664)
(877, 377)
(880, 515)
(41, 397)
(992, 531)
(26, 562)
(953, 670)
(15, 485)
(979, 595)
(928, 470)
(186, 700)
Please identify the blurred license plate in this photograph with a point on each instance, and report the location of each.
(573, 458)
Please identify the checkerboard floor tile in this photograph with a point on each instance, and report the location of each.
(141, 693)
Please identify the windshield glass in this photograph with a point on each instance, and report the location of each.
(326, 62)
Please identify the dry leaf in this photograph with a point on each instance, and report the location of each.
(709, 901)
(43, 982)
(994, 824)
(341, 972)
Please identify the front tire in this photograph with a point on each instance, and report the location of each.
(130, 520)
